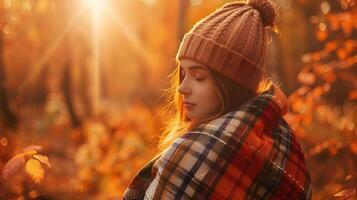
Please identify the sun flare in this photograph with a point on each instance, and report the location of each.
(96, 6)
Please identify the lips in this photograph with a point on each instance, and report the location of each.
(188, 105)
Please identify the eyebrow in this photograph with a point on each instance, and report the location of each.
(195, 67)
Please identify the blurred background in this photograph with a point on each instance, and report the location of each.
(81, 85)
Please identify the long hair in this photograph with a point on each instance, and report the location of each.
(231, 95)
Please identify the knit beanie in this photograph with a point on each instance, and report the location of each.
(232, 41)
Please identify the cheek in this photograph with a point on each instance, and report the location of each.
(214, 102)
(211, 102)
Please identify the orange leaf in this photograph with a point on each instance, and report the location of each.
(321, 35)
(13, 166)
(354, 147)
(32, 147)
(341, 54)
(349, 177)
(318, 91)
(329, 77)
(331, 46)
(298, 106)
(306, 78)
(352, 95)
(302, 91)
(306, 58)
(34, 170)
(307, 119)
(334, 22)
(347, 194)
(316, 56)
(43, 159)
(347, 24)
(350, 45)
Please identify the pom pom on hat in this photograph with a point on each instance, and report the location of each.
(266, 10)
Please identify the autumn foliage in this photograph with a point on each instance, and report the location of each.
(81, 92)
(323, 108)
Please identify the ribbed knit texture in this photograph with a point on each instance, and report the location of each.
(230, 41)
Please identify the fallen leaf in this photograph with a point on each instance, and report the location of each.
(43, 159)
(13, 166)
(32, 147)
(346, 194)
(34, 170)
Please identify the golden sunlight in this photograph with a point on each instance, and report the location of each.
(96, 6)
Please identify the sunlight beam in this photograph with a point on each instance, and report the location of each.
(37, 66)
(96, 6)
(95, 66)
(133, 38)
(96, 10)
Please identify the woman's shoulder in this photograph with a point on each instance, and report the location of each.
(212, 151)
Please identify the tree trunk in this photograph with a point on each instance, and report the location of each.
(183, 4)
(5, 111)
(68, 97)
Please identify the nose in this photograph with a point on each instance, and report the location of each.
(184, 88)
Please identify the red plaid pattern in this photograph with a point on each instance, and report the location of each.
(250, 153)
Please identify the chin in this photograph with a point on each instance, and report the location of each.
(190, 118)
(187, 119)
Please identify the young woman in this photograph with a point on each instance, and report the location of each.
(229, 139)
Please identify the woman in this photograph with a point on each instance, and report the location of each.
(228, 139)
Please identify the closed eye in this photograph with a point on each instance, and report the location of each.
(199, 76)
(197, 72)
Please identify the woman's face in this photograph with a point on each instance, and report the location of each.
(198, 91)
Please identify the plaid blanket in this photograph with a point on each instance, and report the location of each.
(250, 153)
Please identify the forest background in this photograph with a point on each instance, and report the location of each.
(81, 85)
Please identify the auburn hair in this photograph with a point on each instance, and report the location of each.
(231, 95)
